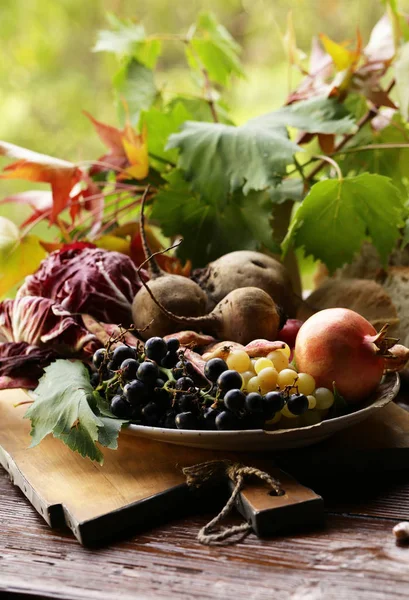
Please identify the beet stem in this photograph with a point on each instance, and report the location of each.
(153, 266)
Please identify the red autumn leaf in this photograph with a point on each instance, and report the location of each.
(41, 201)
(128, 150)
(91, 199)
(112, 139)
(110, 136)
(60, 174)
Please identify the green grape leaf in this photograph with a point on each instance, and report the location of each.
(289, 189)
(135, 85)
(199, 109)
(66, 405)
(160, 125)
(315, 115)
(128, 39)
(219, 159)
(337, 215)
(391, 162)
(214, 49)
(241, 222)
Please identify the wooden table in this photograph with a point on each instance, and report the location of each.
(355, 557)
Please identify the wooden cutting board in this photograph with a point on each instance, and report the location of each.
(141, 484)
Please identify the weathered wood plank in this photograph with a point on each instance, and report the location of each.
(351, 558)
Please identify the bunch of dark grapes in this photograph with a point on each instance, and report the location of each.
(156, 387)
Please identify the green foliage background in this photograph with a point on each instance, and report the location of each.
(48, 73)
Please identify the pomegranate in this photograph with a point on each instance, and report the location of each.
(339, 345)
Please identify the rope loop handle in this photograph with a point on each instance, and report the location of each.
(217, 470)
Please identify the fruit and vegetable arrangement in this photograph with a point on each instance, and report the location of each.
(176, 366)
(196, 319)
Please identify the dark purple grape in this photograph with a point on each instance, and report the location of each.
(214, 368)
(209, 418)
(94, 379)
(98, 358)
(254, 402)
(184, 383)
(234, 400)
(129, 369)
(229, 380)
(297, 404)
(168, 420)
(150, 414)
(135, 392)
(186, 420)
(148, 372)
(136, 414)
(173, 345)
(156, 348)
(187, 402)
(107, 374)
(120, 354)
(179, 370)
(169, 360)
(273, 402)
(120, 407)
(227, 420)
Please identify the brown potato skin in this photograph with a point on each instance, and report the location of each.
(245, 268)
(179, 294)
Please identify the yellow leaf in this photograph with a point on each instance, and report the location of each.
(136, 150)
(111, 242)
(18, 256)
(342, 57)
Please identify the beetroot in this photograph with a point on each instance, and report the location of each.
(243, 315)
(245, 268)
(179, 295)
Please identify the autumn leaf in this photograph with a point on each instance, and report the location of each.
(136, 150)
(19, 256)
(113, 243)
(126, 148)
(41, 202)
(62, 175)
(343, 57)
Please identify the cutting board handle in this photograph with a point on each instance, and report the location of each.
(275, 502)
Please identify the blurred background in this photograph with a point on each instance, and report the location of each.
(49, 73)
